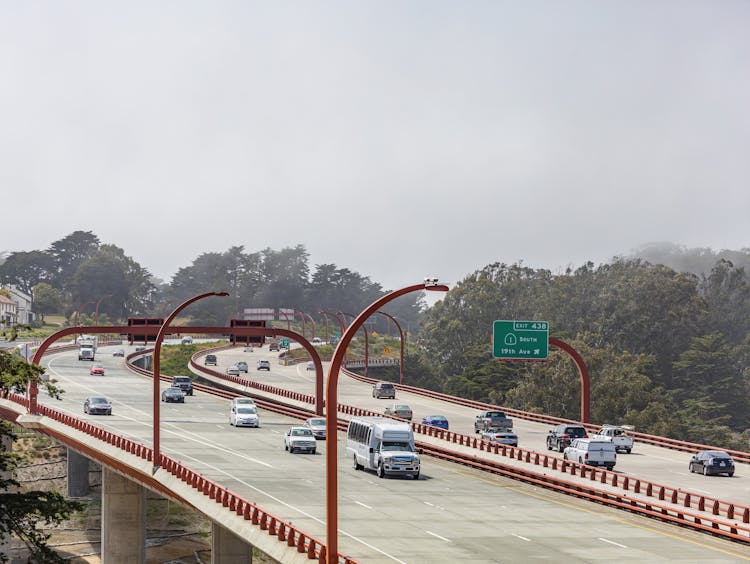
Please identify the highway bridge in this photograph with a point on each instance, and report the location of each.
(501, 510)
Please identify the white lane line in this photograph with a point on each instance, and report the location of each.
(613, 542)
(428, 503)
(520, 537)
(438, 536)
(183, 433)
(363, 505)
(250, 486)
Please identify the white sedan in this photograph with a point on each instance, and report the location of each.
(244, 415)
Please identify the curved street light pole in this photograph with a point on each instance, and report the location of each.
(367, 342)
(401, 333)
(286, 316)
(332, 541)
(342, 325)
(156, 367)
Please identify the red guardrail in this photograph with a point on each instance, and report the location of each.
(283, 530)
(627, 483)
(686, 500)
(665, 442)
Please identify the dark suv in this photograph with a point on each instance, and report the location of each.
(184, 383)
(561, 436)
(273, 347)
(384, 390)
(210, 360)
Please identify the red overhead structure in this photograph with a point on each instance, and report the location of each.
(256, 340)
(143, 328)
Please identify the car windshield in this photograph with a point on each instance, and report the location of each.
(302, 432)
(401, 407)
(436, 418)
(246, 410)
(99, 400)
(174, 391)
(577, 432)
(316, 421)
(243, 400)
(395, 446)
(386, 386)
(181, 379)
(717, 454)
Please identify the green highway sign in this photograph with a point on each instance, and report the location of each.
(520, 340)
(284, 342)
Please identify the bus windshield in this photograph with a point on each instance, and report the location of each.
(395, 446)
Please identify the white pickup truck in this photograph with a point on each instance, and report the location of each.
(617, 435)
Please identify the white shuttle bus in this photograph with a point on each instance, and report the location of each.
(383, 445)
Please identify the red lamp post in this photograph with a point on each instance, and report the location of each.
(367, 342)
(401, 333)
(332, 485)
(156, 353)
(334, 315)
(288, 323)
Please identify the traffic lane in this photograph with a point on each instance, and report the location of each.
(657, 464)
(230, 462)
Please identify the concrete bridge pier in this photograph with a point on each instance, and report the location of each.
(123, 520)
(228, 548)
(78, 474)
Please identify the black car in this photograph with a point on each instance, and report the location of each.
(97, 405)
(561, 436)
(118, 352)
(184, 383)
(173, 394)
(711, 462)
(210, 360)
(273, 347)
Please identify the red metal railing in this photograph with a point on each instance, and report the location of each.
(283, 530)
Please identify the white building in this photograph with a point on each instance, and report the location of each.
(22, 301)
(8, 311)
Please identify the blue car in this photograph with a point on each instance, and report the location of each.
(436, 421)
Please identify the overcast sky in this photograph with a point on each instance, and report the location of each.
(395, 138)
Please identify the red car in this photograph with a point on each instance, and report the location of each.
(97, 369)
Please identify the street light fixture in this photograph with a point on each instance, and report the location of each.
(337, 359)
(156, 367)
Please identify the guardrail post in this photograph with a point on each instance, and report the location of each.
(730, 511)
(686, 501)
(746, 515)
(637, 486)
(702, 503)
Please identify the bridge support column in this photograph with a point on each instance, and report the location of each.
(6, 446)
(78, 474)
(228, 548)
(123, 520)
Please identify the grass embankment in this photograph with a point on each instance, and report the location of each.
(175, 359)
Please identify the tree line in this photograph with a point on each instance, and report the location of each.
(79, 271)
(668, 352)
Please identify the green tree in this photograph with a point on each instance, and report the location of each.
(69, 252)
(27, 269)
(22, 512)
(46, 299)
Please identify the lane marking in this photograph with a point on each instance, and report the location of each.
(612, 542)
(183, 433)
(363, 505)
(607, 516)
(428, 503)
(438, 536)
(520, 537)
(246, 484)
